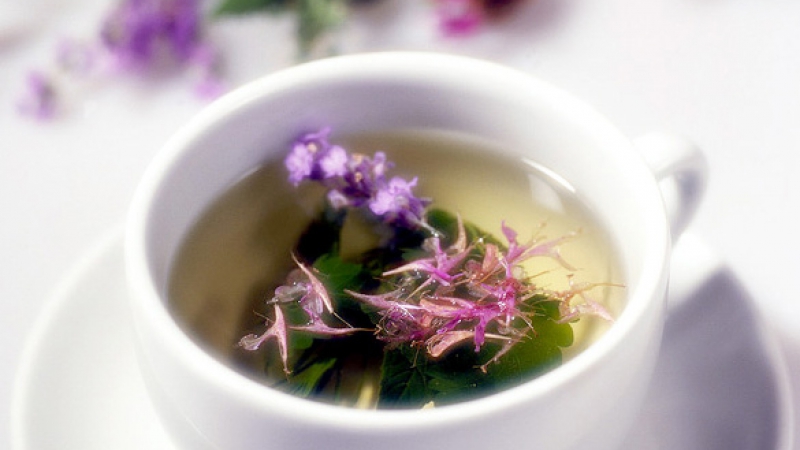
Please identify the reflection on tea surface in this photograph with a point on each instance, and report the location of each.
(240, 250)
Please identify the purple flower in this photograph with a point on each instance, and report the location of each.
(396, 201)
(139, 36)
(148, 33)
(333, 163)
(304, 161)
(300, 163)
(144, 35)
(39, 99)
(316, 300)
(355, 180)
(206, 59)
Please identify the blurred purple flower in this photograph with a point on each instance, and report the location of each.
(38, 99)
(459, 17)
(143, 33)
(138, 36)
(147, 35)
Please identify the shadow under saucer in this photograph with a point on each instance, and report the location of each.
(720, 383)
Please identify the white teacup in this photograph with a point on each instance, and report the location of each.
(588, 402)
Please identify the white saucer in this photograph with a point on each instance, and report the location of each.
(721, 383)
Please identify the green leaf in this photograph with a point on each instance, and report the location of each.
(411, 379)
(315, 18)
(233, 7)
(309, 380)
(538, 352)
(336, 368)
(402, 381)
(338, 274)
(322, 236)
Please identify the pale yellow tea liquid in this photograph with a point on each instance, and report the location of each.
(239, 251)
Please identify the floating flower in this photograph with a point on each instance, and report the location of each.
(355, 180)
(589, 306)
(441, 266)
(304, 289)
(276, 331)
(518, 253)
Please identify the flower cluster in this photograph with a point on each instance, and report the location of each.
(474, 292)
(356, 180)
(141, 35)
(144, 35)
(138, 36)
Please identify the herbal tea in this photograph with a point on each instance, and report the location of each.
(403, 269)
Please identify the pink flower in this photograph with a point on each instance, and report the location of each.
(303, 288)
(438, 267)
(590, 306)
(277, 331)
(459, 17)
(147, 33)
(518, 253)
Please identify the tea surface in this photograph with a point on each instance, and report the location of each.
(239, 251)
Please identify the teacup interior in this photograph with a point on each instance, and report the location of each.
(513, 113)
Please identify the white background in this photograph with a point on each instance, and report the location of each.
(725, 73)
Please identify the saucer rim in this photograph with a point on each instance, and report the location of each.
(112, 240)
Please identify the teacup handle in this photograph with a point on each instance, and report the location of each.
(681, 171)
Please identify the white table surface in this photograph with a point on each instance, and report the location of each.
(725, 73)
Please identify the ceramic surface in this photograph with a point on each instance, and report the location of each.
(590, 400)
(720, 387)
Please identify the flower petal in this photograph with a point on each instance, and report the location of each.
(276, 331)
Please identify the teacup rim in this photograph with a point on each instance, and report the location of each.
(313, 412)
